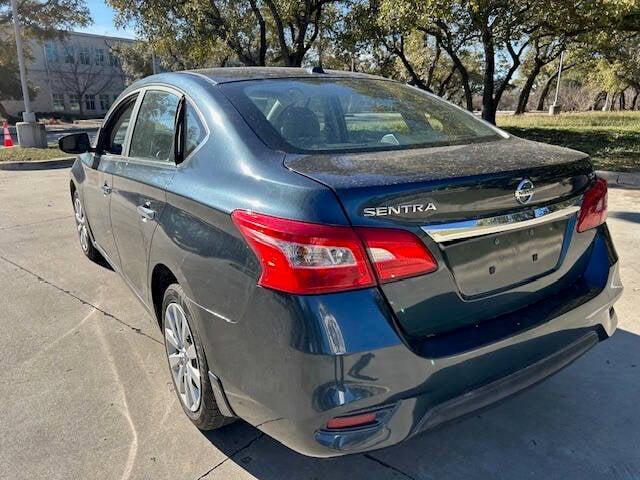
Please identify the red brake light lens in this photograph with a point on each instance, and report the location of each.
(396, 254)
(308, 258)
(305, 258)
(352, 421)
(594, 206)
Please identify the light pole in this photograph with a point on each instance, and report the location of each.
(555, 108)
(30, 133)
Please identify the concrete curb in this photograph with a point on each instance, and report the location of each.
(54, 163)
(624, 179)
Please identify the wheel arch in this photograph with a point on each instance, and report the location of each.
(161, 277)
(72, 188)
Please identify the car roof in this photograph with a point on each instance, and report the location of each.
(237, 74)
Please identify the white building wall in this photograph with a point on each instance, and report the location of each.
(56, 77)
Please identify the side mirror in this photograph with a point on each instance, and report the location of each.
(75, 143)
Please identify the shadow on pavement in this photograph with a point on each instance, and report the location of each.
(581, 423)
(55, 164)
(626, 216)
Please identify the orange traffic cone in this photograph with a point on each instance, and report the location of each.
(8, 142)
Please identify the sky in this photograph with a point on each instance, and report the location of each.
(103, 24)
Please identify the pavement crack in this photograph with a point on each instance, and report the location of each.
(386, 465)
(125, 410)
(81, 300)
(269, 421)
(241, 449)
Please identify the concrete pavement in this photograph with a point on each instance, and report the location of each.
(86, 391)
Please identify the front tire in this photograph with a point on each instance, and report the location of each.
(187, 364)
(84, 233)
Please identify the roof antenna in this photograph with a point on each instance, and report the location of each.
(315, 69)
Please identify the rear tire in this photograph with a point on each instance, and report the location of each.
(187, 363)
(84, 232)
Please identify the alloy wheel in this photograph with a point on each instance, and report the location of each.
(81, 225)
(181, 352)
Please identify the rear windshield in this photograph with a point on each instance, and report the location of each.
(334, 115)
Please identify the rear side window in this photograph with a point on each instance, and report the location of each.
(154, 130)
(195, 131)
(333, 115)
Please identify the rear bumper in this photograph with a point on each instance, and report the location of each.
(462, 405)
(329, 356)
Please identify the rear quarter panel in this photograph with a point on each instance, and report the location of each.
(197, 240)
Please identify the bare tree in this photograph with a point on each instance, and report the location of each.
(81, 75)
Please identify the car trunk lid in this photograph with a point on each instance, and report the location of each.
(439, 193)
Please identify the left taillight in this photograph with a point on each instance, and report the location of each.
(306, 258)
(594, 206)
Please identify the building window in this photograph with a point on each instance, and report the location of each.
(85, 56)
(90, 102)
(69, 55)
(58, 102)
(99, 56)
(113, 60)
(104, 101)
(52, 52)
(74, 102)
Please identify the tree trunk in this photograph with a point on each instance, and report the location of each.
(262, 47)
(464, 78)
(488, 103)
(623, 101)
(279, 25)
(547, 86)
(441, 36)
(416, 80)
(634, 100)
(523, 99)
(468, 95)
(596, 101)
(442, 89)
(434, 62)
(545, 91)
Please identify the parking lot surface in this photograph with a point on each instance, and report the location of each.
(86, 391)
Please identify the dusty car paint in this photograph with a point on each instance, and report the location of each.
(413, 349)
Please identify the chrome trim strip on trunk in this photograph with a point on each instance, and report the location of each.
(446, 232)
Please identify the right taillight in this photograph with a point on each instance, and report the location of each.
(594, 206)
(306, 258)
(396, 254)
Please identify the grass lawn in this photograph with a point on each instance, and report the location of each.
(611, 138)
(19, 154)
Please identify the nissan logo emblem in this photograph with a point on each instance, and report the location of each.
(525, 191)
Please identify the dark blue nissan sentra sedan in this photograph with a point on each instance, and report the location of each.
(342, 260)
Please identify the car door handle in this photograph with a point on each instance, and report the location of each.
(145, 212)
(106, 189)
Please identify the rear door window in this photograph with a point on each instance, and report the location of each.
(195, 131)
(154, 131)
